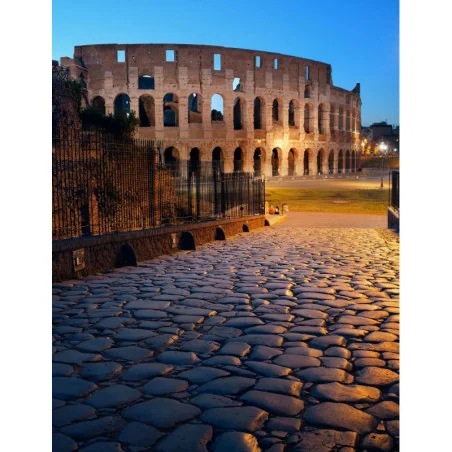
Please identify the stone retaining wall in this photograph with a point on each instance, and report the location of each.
(101, 253)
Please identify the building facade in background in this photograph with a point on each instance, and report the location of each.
(267, 113)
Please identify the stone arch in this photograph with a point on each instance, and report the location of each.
(353, 162)
(321, 160)
(98, 103)
(239, 113)
(187, 241)
(294, 113)
(122, 105)
(340, 161)
(292, 158)
(146, 110)
(258, 161)
(146, 82)
(194, 108)
(259, 113)
(308, 92)
(245, 228)
(239, 159)
(347, 161)
(306, 161)
(323, 118)
(218, 159)
(276, 111)
(331, 162)
(276, 161)
(126, 256)
(171, 158)
(308, 118)
(194, 163)
(217, 107)
(170, 110)
(219, 234)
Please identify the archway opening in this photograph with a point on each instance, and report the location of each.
(172, 161)
(291, 158)
(146, 111)
(217, 108)
(238, 160)
(170, 110)
(122, 105)
(146, 82)
(194, 108)
(306, 162)
(320, 160)
(258, 113)
(257, 162)
(331, 162)
(347, 161)
(98, 103)
(340, 165)
(275, 162)
(238, 114)
(195, 162)
(291, 114)
(217, 160)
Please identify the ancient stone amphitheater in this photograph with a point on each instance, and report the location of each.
(273, 114)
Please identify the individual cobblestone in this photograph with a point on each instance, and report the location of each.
(285, 339)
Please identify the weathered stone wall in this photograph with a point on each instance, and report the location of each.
(325, 122)
(101, 252)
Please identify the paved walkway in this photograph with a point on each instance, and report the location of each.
(285, 339)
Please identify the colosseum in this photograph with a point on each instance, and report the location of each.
(261, 112)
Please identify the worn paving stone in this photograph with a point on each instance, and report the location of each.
(227, 385)
(305, 351)
(377, 442)
(338, 392)
(295, 361)
(63, 443)
(91, 429)
(248, 419)
(178, 358)
(269, 370)
(71, 413)
(274, 403)
(200, 346)
(161, 412)
(128, 353)
(324, 440)
(75, 357)
(387, 410)
(237, 442)
(163, 385)
(114, 396)
(61, 370)
(190, 437)
(340, 415)
(223, 361)
(138, 434)
(376, 376)
(235, 349)
(100, 371)
(145, 370)
(70, 388)
(270, 340)
(279, 385)
(214, 401)
(103, 446)
(202, 374)
(325, 374)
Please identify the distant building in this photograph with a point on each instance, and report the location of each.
(380, 137)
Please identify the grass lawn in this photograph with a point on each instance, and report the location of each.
(374, 202)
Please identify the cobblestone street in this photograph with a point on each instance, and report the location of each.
(283, 339)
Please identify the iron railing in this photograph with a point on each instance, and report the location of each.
(394, 189)
(104, 185)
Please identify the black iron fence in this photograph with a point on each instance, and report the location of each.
(394, 189)
(104, 185)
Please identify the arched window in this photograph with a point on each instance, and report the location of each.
(341, 119)
(275, 161)
(99, 104)
(194, 162)
(340, 165)
(332, 119)
(320, 161)
(217, 108)
(258, 158)
(239, 108)
(170, 110)
(171, 159)
(291, 160)
(291, 114)
(258, 110)
(237, 85)
(238, 160)
(122, 105)
(347, 162)
(146, 82)
(306, 162)
(146, 111)
(217, 160)
(275, 111)
(307, 92)
(322, 118)
(331, 162)
(194, 108)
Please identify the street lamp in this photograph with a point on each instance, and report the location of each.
(383, 148)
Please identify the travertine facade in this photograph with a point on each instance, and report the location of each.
(281, 115)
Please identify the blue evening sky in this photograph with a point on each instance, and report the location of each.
(359, 38)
